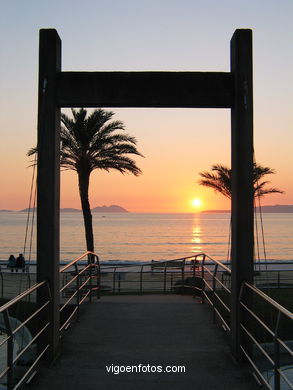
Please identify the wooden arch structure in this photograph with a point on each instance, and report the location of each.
(144, 89)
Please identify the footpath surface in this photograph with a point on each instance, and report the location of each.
(153, 331)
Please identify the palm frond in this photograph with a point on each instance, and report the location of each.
(220, 180)
(91, 141)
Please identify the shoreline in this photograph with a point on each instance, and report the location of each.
(108, 210)
(271, 264)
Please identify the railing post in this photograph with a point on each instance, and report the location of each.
(91, 279)
(165, 274)
(202, 279)
(78, 290)
(214, 289)
(48, 181)
(10, 373)
(277, 355)
(140, 280)
(214, 277)
(98, 268)
(183, 277)
(194, 261)
(29, 284)
(193, 266)
(119, 282)
(242, 176)
(2, 285)
(114, 280)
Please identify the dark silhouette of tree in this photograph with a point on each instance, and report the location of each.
(93, 141)
(219, 179)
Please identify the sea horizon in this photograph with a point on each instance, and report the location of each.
(276, 208)
(149, 236)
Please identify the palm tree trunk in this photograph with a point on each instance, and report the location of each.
(83, 183)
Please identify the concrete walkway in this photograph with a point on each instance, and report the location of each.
(154, 330)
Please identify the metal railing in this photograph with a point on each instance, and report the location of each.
(267, 332)
(23, 323)
(273, 279)
(19, 358)
(155, 276)
(216, 289)
(268, 278)
(211, 280)
(269, 329)
(199, 274)
(12, 283)
(78, 283)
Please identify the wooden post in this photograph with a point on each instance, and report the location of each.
(242, 168)
(48, 181)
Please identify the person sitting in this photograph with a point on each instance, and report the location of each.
(11, 263)
(20, 262)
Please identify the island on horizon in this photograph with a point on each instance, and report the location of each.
(109, 209)
(118, 209)
(99, 209)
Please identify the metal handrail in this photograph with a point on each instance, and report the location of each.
(67, 266)
(171, 270)
(166, 268)
(212, 282)
(271, 301)
(151, 263)
(79, 291)
(12, 329)
(86, 281)
(203, 264)
(22, 295)
(274, 360)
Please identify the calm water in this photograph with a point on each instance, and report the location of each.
(144, 237)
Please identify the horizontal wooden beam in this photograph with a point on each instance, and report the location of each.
(146, 89)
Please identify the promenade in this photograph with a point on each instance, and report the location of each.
(155, 330)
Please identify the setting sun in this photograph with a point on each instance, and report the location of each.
(196, 202)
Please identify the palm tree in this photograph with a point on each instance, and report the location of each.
(92, 141)
(220, 180)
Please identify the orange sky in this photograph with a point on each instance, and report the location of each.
(174, 150)
(177, 143)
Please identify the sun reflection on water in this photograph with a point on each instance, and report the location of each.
(196, 236)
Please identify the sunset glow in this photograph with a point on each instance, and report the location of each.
(197, 203)
(177, 143)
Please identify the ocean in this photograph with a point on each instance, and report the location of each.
(143, 237)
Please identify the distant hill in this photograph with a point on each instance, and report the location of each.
(100, 209)
(6, 211)
(109, 209)
(278, 208)
(65, 210)
(26, 210)
(70, 210)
